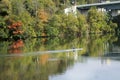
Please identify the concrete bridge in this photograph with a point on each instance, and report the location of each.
(115, 5)
(112, 7)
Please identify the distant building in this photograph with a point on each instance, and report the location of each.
(70, 10)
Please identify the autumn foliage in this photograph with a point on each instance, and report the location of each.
(15, 28)
(43, 15)
(16, 46)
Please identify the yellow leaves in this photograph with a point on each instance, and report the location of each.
(43, 16)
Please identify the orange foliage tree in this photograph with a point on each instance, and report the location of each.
(43, 16)
(15, 29)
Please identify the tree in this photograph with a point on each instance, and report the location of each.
(96, 20)
(3, 28)
(43, 16)
(5, 7)
(83, 25)
(17, 7)
(15, 29)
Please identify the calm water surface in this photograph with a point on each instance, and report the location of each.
(61, 59)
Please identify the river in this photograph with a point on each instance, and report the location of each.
(94, 57)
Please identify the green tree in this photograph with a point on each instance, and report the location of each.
(28, 24)
(83, 25)
(5, 7)
(17, 7)
(97, 20)
(3, 28)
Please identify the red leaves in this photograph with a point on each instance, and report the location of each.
(16, 47)
(16, 28)
(15, 31)
(17, 44)
(15, 25)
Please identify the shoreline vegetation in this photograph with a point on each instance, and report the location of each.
(46, 18)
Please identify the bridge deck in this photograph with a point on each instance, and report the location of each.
(105, 4)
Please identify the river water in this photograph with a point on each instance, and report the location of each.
(94, 57)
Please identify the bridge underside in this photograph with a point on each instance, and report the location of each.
(105, 6)
(112, 8)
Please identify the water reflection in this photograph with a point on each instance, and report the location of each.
(91, 69)
(16, 47)
(37, 67)
(54, 67)
(95, 62)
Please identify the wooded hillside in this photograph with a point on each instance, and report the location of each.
(33, 18)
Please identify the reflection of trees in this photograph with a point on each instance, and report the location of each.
(25, 68)
(115, 46)
(42, 66)
(16, 46)
(97, 43)
(4, 47)
(33, 45)
(36, 67)
(55, 44)
(11, 47)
